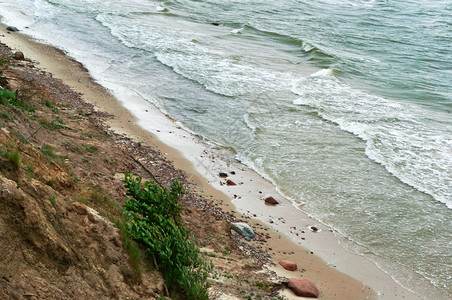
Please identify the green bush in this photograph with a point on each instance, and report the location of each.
(153, 220)
(6, 95)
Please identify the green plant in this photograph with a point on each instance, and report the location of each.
(91, 149)
(52, 199)
(49, 152)
(153, 220)
(14, 157)
(6, 116)
(6, 95)
(50, 125)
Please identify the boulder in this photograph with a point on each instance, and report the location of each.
(230, 182)
(12, 28)
(244, 230)
(19, 55)
(270, 200)
(288, 265)
(303, 287)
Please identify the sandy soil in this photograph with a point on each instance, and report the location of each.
(287, 236)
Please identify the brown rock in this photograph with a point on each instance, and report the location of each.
(230, 182)
(288, 265)
(270, 200)
(303, 287)
(19, 55)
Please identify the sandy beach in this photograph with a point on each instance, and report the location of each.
(338, 273)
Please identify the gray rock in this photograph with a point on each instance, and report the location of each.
(12, 28)
(244, 230)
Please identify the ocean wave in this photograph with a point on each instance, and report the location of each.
(410, 141)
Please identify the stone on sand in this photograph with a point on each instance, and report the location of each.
(288, 265)
(303, 287)
(244, 230)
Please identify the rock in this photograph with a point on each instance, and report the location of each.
(12, 28)
(19, 55)
(244, 230)
(270, 200)
(232, 172)
(313, 228)
(215, 24)
(288, 265)
(223, 175)
(230, 182)
(303, 287)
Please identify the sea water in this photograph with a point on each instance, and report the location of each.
(345, 105)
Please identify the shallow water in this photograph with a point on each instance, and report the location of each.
(344, 105)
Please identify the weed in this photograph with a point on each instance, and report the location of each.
(22, 139)
(49, 152)
(71, 147)
(97, 195)
(6, 116)
(14, 157)
(59, 120)
(91, 149)
(50, 125)
(86, 159)
(88, 135)
(52, 199)
(51, 183)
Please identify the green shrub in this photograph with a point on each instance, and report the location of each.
(153, 220)
(7, 95)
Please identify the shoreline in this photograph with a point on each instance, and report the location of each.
(188, 152)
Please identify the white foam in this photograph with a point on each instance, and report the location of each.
(411, 142)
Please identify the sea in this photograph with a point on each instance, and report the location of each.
(345, 105)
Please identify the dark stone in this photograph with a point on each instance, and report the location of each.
(270, 200)
(313, 228)
(232, 172)
(12, 28)
(230, 182)
(19, 55)
(215, 24)
(223, 175)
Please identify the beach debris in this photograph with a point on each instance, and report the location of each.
(19, 55)
(303, 287)
(270, 200)
(12, 28)
(223, 175)
(288, 265)
(215, 24)
(244, 230)
(230, 182)
(313, 228)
